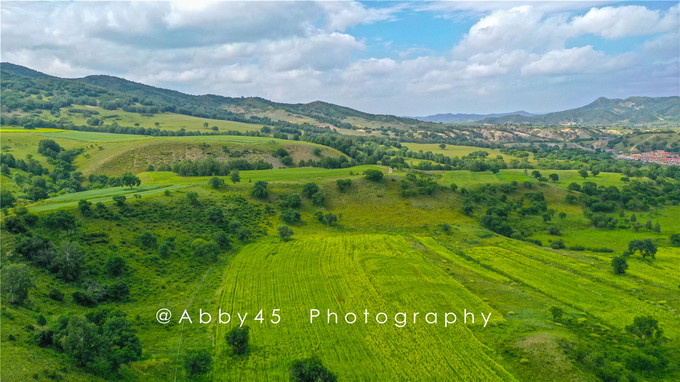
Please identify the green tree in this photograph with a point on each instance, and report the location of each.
(675, 239)
(222, 239)
(6, 199)
(237, 338)
(128, 179)
(595, 172)
(115, 266)
(554, 177)
(235, 176)
(204, 248)
(620, 265)
(84, 207)
(373, 175)
(646, 329)
(330, 218)
(318, 199)
(311, 370)
(343, 184)
(192, 197)
(69, 261)
(16, 281)
(120, 200)
(285, 232)
(646, 247)
(197, 362)
(583, 173)
(309, 189)
(556, 313)
(260, 190)
(290, 216)
(82, 341)
(216, 182)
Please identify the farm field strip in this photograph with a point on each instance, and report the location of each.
(95, 196)
(432, 244)
(380, 273)
(572, 289)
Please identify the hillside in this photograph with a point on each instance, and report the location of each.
(604, 112)
(468, 118)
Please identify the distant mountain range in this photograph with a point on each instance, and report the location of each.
(604, 111)
(467, 118)
(601, 112)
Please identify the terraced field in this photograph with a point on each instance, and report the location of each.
(351, 273)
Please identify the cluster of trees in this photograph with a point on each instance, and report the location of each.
(417, 183)
(101, 341)
(212, 167)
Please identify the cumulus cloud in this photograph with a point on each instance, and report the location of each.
(515, 55)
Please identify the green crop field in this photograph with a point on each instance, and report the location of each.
(348, 274)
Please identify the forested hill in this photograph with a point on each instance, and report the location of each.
(605, 111)
(113, 92)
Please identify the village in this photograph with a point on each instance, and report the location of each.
(661, 157)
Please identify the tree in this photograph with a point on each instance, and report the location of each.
(216, 182)
(573, 186)
(310, 370)
(204, 248)
(82, 340)
(285, 232)
(318, 199)
(69, 261)
(237, 338)
(6, 199)
(148, 240)
(14, 224)
(309, 189)
(330, 218)
(675, 239)
(343, 184)
(620, 265)
(556, 313)
(61, 219)
(215, 215)
(583, 172)
(16, 281)
(290, 216)
(128, 179)
(646, 329)
(557, 244)
(260, 190)
(468, 208)
(595, 172)
(562, 215)
(197, 362)
(536, 174)
(373, 175)
(222, 239)
(115, 266)
(84, 207)
(192, 197)
(120, 200)
(442, 146)
(235, 176)
(554, 177)
(646, 247)
(657, 227)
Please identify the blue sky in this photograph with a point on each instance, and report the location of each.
(403, 58)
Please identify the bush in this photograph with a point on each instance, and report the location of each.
(260, 190)
(557, 244)
(290, 216)
(373, 175)
(343, 184)
(311, 369)
(318, 199)
(237, 338)
(115, 266)
(118, 291)
(197, 362)
(203, 248)
(620, 265)
(285, 232)
(309, 189)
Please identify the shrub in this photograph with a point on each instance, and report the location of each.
(197, 362)
(260, 190)
(237, 338)
(290, 216)
(373, 175)
(309, 189)
(285, 232)
(620, 265)
(557, 244)
(310, 369)
(56, 295)
(343, 184)
(115, 266)
(83, 298)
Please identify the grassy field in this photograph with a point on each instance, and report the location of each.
(450, 150)
(349, 274)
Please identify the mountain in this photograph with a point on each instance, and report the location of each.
(467, 118)
(117, 93)
(604, 111)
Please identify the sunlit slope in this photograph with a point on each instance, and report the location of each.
(350, 273)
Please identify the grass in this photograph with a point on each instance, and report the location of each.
(349, 274)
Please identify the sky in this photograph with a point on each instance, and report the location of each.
(389, 57)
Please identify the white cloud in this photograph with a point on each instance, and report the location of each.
(515, 55)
